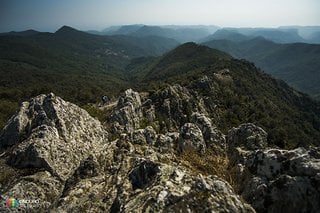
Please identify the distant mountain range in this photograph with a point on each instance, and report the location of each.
(180, 33)
(21, 33)
(278, 35)
(275, 35)
(202, 33)
(296, 63)
(275, 50)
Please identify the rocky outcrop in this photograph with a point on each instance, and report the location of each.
(76, 169)
(167, 142)
(63, 157)
(211, 135)
(247, 136)
(281, 177)
(174, 105)
(274, 180)
(145, 117)
(144, 136)
(128, 112)
(191, 138)
(46, 130)
(50, 137)
(173, 189)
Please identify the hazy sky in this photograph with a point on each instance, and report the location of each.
(48, 15)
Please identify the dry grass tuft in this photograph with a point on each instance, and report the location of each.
(210, 163)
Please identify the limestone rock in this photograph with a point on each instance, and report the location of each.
(142, 183)
(167, 142)
(61, 155)
(175, 104)
(42, 187)
(52, 138)
(278, 178)
(144, 136)
(148, 110)
(177, 190)
(211, 135)
(52, 134)
(138, 137)
(128, 111)
(16, 128)
(191, 138)
(274, 180)
(247, 136)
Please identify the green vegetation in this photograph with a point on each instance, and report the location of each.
(291, 118)
(81, 67)
(298, 64)
(180, 61)
(7, 109)
(77, 66)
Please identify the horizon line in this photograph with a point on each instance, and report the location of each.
(158, 25)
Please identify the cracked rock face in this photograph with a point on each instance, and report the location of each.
(249, 136)
(128, 112)
(191, 138)
(47, 129)
(274, 180)
(281, 177)
(76, 169)
(211, 135)
(61, 155)
(51, 136)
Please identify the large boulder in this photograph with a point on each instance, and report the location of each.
(167, 142)
(165, 188)
(46, 141)
(191, 139)
(128, 111)
(211, 135)
(247, 136)
(282, 180)
(274, 180)
(51, 133)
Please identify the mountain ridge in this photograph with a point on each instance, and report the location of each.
(78, 66)
(191, 130)
(193, 156)
(295, 63)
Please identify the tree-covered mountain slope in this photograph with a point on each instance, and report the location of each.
(239, 92)
(200, 131)
(78, 66)
(298, 63)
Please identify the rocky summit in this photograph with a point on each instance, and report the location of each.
(155, 152)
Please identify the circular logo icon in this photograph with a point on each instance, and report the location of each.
(12, 203)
